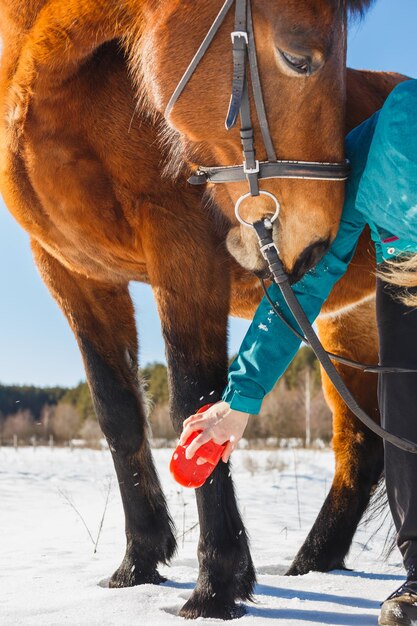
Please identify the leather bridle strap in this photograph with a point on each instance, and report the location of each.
(239, 102)
(257, 92)
(198, 56)
(305, 170)
(269, 250)
(368, 368)
(239, 47)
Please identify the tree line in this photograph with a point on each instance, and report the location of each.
(294, 409)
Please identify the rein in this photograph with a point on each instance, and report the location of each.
(364, 367)
(244, 57)
(270, 252)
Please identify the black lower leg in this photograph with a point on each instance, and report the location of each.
(149, 528)
(193, 303)
(226, 571)
(329, 541)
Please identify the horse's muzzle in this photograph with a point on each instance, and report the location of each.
(309, 259)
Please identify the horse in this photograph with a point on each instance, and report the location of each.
(99, 218)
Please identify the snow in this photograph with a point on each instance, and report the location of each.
(49, 573)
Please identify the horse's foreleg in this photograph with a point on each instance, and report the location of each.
(358, 452)
(190, 277)
(102, 319)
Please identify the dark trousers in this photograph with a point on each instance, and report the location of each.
(397, 394)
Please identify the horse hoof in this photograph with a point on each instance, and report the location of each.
(132, 577)
(197, 606)
(300, 568)
(341, 567)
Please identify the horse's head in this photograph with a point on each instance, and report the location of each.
(301, 50)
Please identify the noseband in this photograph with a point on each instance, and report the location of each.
(244, 56)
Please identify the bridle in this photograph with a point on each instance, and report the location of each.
(244, 50)
(252, 170)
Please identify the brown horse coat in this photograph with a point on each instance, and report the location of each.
(81, 172)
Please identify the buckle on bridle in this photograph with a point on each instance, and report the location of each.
(240, 33)
(251, 170)
(268, 246)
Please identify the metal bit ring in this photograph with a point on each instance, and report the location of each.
(249, 195)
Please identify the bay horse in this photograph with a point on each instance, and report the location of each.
(99, 218)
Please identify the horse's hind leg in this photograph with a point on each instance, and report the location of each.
(102, 319)
(359, 453)
(189, 274)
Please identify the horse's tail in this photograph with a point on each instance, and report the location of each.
(402, 273)
(379, 518)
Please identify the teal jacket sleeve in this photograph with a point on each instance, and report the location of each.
(269, 346)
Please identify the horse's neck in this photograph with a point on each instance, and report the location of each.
(17, 17)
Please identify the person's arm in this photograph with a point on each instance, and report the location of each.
(269, 346)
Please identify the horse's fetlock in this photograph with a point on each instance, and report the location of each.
(135, 571)
(204, 602)
(229, 568)
(150, 537)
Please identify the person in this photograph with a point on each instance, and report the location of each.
(381, 192)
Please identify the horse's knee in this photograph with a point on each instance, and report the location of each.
(123, 422)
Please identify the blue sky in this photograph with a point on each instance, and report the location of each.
(36, 344)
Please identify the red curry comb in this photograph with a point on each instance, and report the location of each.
(186, 471)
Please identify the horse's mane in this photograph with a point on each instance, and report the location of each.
(357, 6)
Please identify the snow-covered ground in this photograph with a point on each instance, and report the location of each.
(49, 575)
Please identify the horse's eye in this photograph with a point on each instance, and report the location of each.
(299, 64)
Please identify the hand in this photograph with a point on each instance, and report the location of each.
(219, 423)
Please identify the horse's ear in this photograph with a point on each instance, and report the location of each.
(233, 112)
